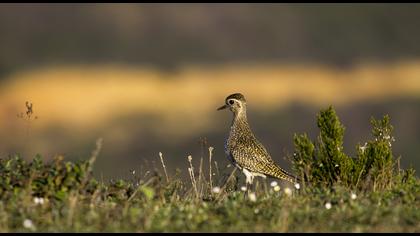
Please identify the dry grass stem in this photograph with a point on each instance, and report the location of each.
(164, 167)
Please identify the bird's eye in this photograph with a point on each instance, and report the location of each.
(231, 102)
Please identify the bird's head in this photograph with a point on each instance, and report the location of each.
(235, 102)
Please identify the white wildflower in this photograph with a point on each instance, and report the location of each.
(38, 200)
(243, 188)
(363, 148)
(276, 188)
(216, 190)
(28, 224)
(336, 165)
(273, 184)
(297, 185)
(353, 196)
(288, 191)
(252, 197)
(328, 205)
(256, 211)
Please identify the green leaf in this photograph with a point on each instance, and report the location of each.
(148, 192)
(60, 195)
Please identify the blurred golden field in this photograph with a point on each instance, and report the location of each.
(91, 96)
(78, 103)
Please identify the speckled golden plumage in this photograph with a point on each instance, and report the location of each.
(244, 150)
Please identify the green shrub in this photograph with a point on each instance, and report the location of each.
(51, 180)
(324, 163)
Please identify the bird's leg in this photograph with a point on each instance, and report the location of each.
(249, 179)
(251, 185)
(246, 191)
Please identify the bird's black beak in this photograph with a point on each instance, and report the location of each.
(222, 107)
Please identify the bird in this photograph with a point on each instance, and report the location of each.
(244, 150)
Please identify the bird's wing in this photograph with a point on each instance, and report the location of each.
(250, 153)
(254, 157)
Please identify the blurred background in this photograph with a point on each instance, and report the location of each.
(148, 78)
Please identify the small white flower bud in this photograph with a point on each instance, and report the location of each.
(328, 205)
(216, 190)
(288, 191)
(27, 223)
(252, 197)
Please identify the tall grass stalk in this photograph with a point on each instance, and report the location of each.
(192, 176)
(164, 167)
(210, 173)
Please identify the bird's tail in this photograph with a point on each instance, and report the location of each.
(282, 174)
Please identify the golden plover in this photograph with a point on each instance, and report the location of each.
(244, 150)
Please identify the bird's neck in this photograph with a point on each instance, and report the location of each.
(240, 120)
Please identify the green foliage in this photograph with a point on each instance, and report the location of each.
(155, 205)
(376, 161)
(62, 196)
(324, 163)
(54, 180)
